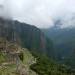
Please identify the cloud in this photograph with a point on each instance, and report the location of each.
(40, 13)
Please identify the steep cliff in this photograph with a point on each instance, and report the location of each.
(26, 35)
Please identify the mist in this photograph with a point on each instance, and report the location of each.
(39, 13)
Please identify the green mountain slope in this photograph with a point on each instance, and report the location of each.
(47, 66)
(64, 43)
(15, 60)
(26, 35)
(10, 69)
(32, 65)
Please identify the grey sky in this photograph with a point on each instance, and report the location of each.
(40, 13)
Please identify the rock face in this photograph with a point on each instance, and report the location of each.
(24, 34)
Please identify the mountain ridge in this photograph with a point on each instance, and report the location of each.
(26, 35)
(63, 40)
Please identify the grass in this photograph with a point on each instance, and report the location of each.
(28, 60)
(2, 57)
(8, 70)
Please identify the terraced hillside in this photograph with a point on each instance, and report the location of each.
(8, 68)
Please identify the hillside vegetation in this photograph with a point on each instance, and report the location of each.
(7, 68)
(15, 62)
(47, 66)
(64, 44)
(24, 50)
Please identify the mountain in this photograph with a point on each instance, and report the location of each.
(63, 36)
(15, 60)
(17, 41)
(26, 35)
(63, 39)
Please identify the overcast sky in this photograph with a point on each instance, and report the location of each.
(40, 13)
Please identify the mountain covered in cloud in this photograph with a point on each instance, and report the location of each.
(26, 35)
(35, 12)
(63, 37)
(65, 21)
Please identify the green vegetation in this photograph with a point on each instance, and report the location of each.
(2, 57)
(45, 66)
(41, 64)
(64, 43)
(7, 68)
(34, 40)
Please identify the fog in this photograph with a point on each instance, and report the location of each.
(40, 13)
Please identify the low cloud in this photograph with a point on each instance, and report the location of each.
(40, 13)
